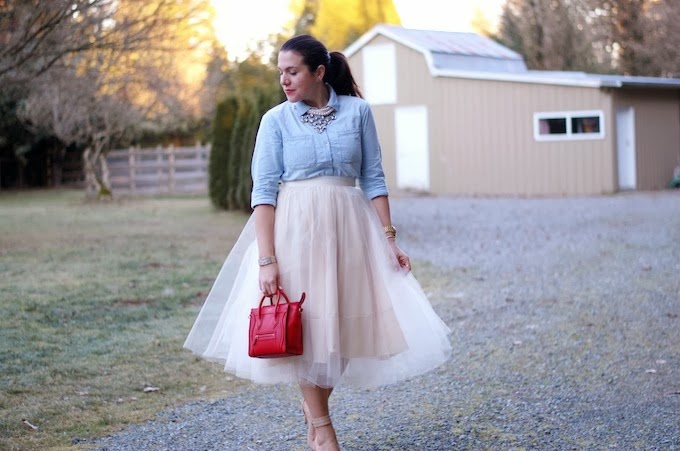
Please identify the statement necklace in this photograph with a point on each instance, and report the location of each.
(319, 118)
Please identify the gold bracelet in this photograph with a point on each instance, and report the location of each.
(390, 231)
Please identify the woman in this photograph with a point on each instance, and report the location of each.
(366, 320)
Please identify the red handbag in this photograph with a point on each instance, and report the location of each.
(276, 329)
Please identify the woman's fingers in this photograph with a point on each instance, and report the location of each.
(269, 279)
(269, 289)
(404, 261)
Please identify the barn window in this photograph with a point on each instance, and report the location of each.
(380, 74)
(568, 125)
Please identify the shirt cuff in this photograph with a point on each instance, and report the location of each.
(375, 192)
(262, 198)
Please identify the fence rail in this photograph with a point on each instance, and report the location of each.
(163, 170)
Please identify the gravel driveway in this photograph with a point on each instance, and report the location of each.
(566, 332)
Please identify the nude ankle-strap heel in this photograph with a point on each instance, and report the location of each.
(332, 445)
(321, 421)
(310, 425)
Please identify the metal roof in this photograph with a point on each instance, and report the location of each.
(609, 81)
(479, 63)
(450, 50)
(454, 43)
(469, 55)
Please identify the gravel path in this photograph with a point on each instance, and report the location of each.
(566, 329)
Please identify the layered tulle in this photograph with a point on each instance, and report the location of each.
(366, 322)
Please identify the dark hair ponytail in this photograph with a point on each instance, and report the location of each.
(339, 76)
(315, 54)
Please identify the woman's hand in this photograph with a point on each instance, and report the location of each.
(402, 258)
(269, 279)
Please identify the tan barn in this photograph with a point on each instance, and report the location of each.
(458, 113)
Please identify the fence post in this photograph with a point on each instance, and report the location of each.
(198, 158)
(171, 167)
(206, 164)
(132, 170)
(159, 169)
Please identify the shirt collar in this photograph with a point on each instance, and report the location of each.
(301, 107)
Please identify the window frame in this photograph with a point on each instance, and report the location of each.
(568, 116)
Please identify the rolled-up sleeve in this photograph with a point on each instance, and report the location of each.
(372, 177)
(267, 164)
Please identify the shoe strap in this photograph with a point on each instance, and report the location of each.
(321, 421)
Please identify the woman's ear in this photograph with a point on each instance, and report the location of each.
(320, 72)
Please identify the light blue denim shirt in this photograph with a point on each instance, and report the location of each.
(288, 149)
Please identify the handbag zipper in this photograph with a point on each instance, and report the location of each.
(265, 336)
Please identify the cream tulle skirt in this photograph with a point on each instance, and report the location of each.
(366, 322)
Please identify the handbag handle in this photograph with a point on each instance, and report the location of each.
(280, 293)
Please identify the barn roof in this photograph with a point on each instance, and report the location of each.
(469, 55)
(450, 50)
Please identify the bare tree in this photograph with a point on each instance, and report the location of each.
(99, 70)
(619, 26)
(640, 37)
(37, 35)
(75, 110)
(548, 33)
(662, 38)
(633, 37)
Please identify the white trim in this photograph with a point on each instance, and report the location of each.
(625, 148)
(519, 78)
(568, 116)
(375, 31)
(380, 29)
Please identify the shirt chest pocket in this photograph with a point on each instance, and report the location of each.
(347, 144)
(298, 152)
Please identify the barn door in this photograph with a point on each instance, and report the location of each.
(413, 162)
(625, 147)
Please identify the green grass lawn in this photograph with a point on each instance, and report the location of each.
(96, 300)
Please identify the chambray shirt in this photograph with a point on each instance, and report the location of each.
(288, 149)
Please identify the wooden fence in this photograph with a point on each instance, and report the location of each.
(167, 170)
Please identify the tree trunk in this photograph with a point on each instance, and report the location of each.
(56, 159)
(96, 186)
(105, 181)
(91, 186)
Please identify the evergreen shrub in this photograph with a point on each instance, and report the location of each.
(237, 119)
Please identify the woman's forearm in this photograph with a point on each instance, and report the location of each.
(264, 229)
(382, 204)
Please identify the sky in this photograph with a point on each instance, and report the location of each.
(240, 23)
